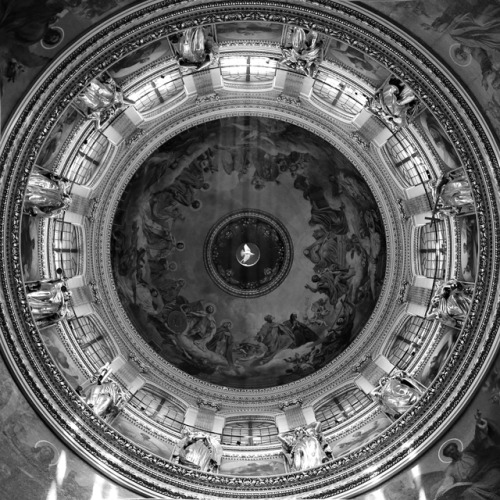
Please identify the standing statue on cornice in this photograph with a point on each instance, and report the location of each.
(395, 103)
(104, 398)
(397, 393)
(451, 303)
(304, 53)
(48, 300)
(199, 451)
(196, 49)
(451, 190)
(46, 194)
(101, 99)
(305, 447)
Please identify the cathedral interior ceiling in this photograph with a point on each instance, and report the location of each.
(261, 212)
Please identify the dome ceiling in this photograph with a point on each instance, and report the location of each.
(305, 192)
(249, 160)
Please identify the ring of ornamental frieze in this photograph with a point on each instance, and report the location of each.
(113, 181)
(380, 319)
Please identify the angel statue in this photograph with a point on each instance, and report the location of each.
(304, 53)
(451, 303)
(397, 393)
(105, 399)
(451, 190)
(305, 447)
(198, 450)
(48, 300)
(196, 49)
(46, 195)
(395, 103)
(101, 99)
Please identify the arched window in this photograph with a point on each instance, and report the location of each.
(67, 244)
(432, 250)
(247, 69)
(88, 158)
(156, 92)
(340, 407)
(90, 337)
(159, 407)
(249, 431)
(339, 95)
(408, 341)
(408, 161)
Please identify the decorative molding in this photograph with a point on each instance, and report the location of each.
(95, 292)
(207, 98)
(288, 404)
(142, 367)
(363, 362)
(402, 209)
(93, 209)
(403, 292)
(359, 139)
(283, 98)
(135, 137)
(209, 405)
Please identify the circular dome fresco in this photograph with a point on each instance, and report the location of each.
(178, 252)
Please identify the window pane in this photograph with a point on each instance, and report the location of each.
(339, 95)
(408, 161)
(159, 408)
(249, 431)
(432, 250)
(248, 69)
(339, 408)
(66, 248)
(408, 341)
(90, 337)
(88, 158)
(157, 91)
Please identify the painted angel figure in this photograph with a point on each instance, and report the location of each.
(47, 195)
(201, 326)
(451, 302)
(473, 471)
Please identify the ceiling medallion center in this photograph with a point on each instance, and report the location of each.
(248, 253)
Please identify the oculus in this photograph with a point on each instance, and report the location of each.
(249, 255)
(233, 256)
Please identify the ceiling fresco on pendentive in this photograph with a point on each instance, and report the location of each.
(261, 186)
